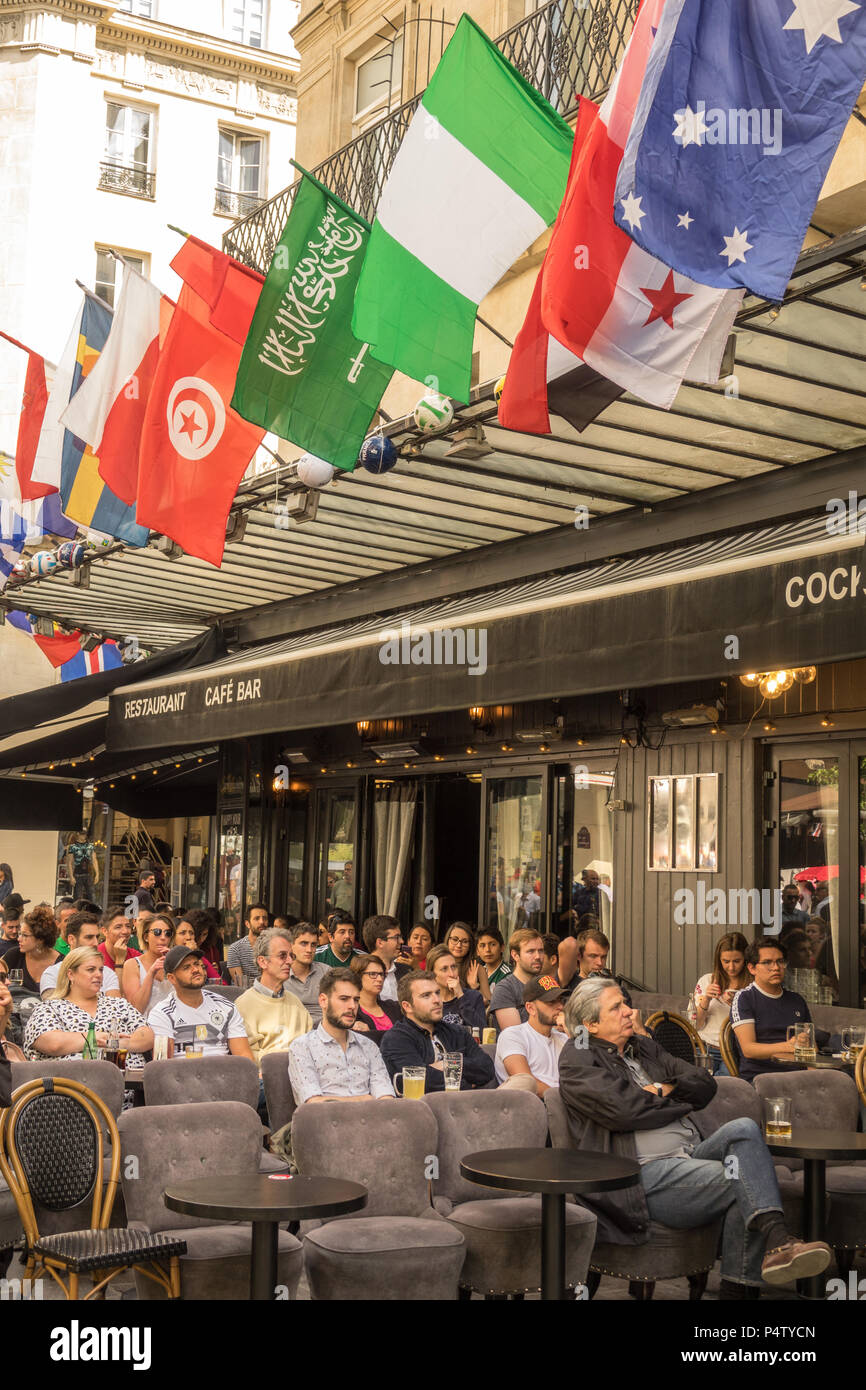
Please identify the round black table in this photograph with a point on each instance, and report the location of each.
(821, 1063)
(815, 1146)
(553, 1173)
(265, 1200)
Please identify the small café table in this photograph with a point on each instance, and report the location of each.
(822, 1062)
(553, 1173)
(265, 1200)
(815, 1146)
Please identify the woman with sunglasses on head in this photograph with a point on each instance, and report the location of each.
(143, 982)
(375, 1016)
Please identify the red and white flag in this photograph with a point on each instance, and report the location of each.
(33, 403)
(107, 411)
(626, 314)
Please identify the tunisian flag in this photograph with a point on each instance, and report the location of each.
(33, 405)
(626, 314)
(194, 447)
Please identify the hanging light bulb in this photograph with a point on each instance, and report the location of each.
(768, 686)
(804, 675)
(784, 680)
(750, 680)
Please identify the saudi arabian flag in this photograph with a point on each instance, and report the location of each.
(480, 174)
(303, 374)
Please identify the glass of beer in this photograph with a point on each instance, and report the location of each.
(853, 1041)
(192, 1054)
(777, 1117)
(803, 1035)
(160, 1049)
(453, 1069)
(488, 1037)
(413, 1079)
(109, 1052)
(16, 979)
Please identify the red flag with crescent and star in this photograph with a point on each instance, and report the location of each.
(194, 447)
(627, 315)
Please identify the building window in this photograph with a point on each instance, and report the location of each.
(683, 831)
(379, 79)
(126, 164)
(239, 174)
(143, 8)
(247, 21)
(107, 272)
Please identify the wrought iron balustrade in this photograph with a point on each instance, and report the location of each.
(230, 203)
(566, 49)
(127, 178)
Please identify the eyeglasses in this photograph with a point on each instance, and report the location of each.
(373, 975)
(161, 931)
(281, 955)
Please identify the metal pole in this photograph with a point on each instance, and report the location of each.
(814, 1210)
(552, 1246)
(263, 1261)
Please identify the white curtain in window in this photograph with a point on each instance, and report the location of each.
(394, 823)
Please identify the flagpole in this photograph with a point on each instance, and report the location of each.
(92, 295)
(323, 187)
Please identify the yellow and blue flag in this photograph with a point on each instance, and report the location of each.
(86, 498)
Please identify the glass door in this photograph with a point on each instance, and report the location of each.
(583, 887)
(512, 885)
(336, 850)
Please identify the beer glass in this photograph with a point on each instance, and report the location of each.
(488, 1037)
(853, 1041)
(453, 1069)
(803, 1035)
(777, 1117)
(413, 1079)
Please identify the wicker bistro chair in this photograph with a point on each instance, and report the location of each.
(676, 1035)
(668, 1254)
(51, 1156)
(728, 1048)
(860, 1075)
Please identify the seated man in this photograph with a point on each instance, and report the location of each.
(532, 1049)
(762, 1012)
(272, 1015)
(526, 949)
(625, 1095)
(490, 947)
(550, 964)
(422, 1039)
(383, 937)
(306, 974)
(333, 1062)
(341, 941)
(82, 929)
(196, 1018)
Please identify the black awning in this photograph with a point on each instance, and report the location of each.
(35, 707)
(77, 741)
(751, 617)
(31, 805)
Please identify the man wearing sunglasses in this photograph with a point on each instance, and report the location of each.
(273, 1016)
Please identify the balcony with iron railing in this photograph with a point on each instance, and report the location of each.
(567, 49)
(131, 179)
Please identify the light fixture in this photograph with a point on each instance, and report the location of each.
(111, 786)
(236, 527)
(362, 727)
(544, 747)
(438, 758)
(201, 760)
(165, 546)
(350, 764)
(470, 443)
(132, 778)
(50, 767)
(804, 675)
(750, 680)
(178, 765)
(506, 747)
(470, 750)
(580, 743)
(692, 715)
(481, 719)
(323, 769)
(768, 727)
(775, 312)
(154, 772)
(827, 723)
(546, 734)
(715, 729)
(398, 752)
(91, 642)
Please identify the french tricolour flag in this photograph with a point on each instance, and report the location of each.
(104, 658)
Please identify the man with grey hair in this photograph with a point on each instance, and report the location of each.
(626, 1095)
(272, 1016)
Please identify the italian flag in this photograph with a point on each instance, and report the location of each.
(479, 176)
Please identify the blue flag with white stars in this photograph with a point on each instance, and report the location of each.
(740, 113)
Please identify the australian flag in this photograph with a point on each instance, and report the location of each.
(741, 111)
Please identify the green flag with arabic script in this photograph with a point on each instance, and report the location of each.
(303, 374)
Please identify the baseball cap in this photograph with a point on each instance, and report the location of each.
(14, 903)
(177, 954)
(546, 987)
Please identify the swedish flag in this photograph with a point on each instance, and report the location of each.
(86, 498)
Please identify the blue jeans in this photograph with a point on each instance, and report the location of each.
(719, 1068)
(688, 1192)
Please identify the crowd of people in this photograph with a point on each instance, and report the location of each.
(355, 1009)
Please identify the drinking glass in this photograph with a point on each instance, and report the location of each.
(193, 1054)
(803, 1035)
(160, 1049)
(703, 1061)
(453, 1069)
(777, 1117)
(853, 1041)
(413, 1079)
(16, 978)
(488, 1037)
(110, 1051)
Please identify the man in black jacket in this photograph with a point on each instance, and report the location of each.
(422, 1039)
(627, 1096)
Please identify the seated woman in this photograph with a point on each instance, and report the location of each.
(715, 991)
(35, 950)
(464, 1006)
(460, 941)
(375, 1015)
(143, 981)
(58, 1026)
(419, 943)
(206, 925)
(184, 935)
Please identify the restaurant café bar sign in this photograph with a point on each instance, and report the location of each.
(225, 692)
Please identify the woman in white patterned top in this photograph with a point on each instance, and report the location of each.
(58, 1027)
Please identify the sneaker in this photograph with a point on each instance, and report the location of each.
(797, 1259)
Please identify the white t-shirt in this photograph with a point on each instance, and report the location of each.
(541, 1053)
(208, 1027)
(716, 1013)
(49, 979)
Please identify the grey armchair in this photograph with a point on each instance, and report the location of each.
(668, 1254)
(179, 1081)
(502, 1231)
(173, 1143)
(399, 1248)
(828, 1100)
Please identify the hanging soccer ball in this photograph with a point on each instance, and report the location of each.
(378, 454)
(19, 571)
(43, 562)
(71, 555)
(314, 472)
(498, 389)
(433, 412)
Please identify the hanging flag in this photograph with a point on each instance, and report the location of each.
(86, 498)
(194, 448)
(741, 111)
(107, 411)
(303, 373)
(58, 648)
(106, 657)
(33, 403)
(479, 176)
(13, 535)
